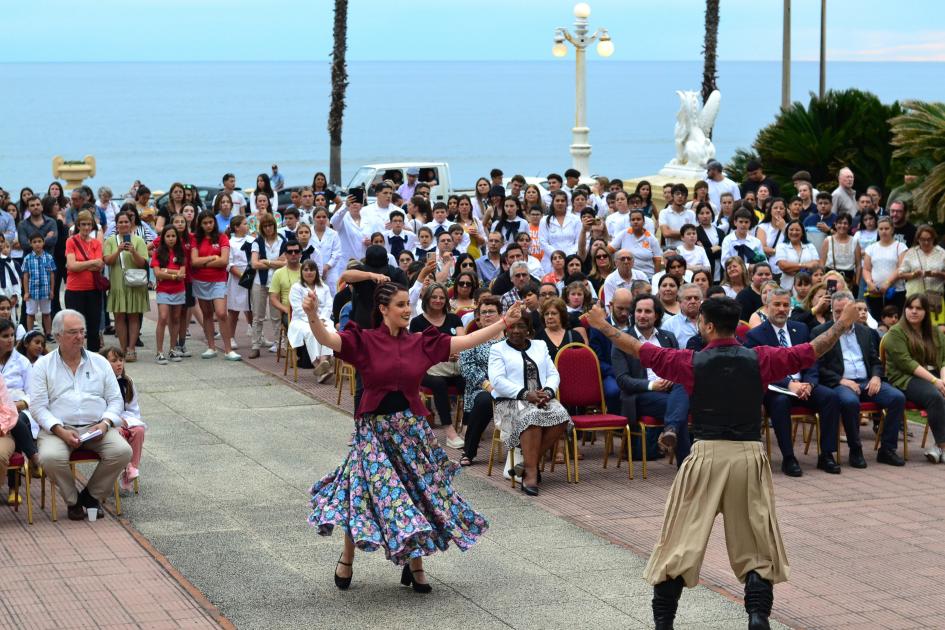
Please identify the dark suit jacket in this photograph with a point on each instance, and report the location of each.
(765, 335)
(831, 364)
(631, 375)
(602, 347)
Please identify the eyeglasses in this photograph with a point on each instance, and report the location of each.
(601, 256)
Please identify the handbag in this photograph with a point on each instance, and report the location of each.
(934, 297)
(246, 279)
(134, 278)
(99, 282)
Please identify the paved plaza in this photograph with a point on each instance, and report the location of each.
(218, 534)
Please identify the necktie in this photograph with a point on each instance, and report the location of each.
(782, 338)
(439, 231)
(396, 244)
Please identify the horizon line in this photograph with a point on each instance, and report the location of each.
(439, 61)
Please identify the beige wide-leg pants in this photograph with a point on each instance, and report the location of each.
(111, 447)
(731, 478)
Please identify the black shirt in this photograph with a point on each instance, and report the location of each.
(905, 233)
(750, 302)
(362, 300)
(451, 323)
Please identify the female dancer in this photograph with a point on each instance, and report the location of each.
(394, 489)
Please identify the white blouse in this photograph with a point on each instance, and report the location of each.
(507, 369)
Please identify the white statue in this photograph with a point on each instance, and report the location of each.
(693, 125)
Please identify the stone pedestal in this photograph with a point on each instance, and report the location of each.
(74, 172)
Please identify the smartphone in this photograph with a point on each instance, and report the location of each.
(358, 194)
(126, 238)
(831, 286)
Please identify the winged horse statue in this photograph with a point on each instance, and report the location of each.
(693, 126)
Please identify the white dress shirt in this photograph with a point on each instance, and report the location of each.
(854, 367)
(58, 396)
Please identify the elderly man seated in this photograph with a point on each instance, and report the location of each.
(74, 392)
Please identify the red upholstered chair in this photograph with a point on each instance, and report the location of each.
(582, 387)
(18, 465)
(426, 395)
(646, 423)
(80, 456)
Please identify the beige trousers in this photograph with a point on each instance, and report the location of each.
(262, 311)
(111, 447)
(6, 450)
(731, 478)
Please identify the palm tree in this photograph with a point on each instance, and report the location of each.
(339, 83)
(919, 133)
(709, 71)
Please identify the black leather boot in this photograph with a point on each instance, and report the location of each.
(665, 599)
(759, 596)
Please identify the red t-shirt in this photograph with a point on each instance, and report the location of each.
(207, 248)
(168, 286)
(82, 280)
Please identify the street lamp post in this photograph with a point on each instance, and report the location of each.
(580, 146)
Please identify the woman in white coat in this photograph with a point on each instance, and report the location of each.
(559, 230)
(327, 250)
(524, 381)
(300, 332)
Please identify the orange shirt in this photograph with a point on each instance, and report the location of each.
(82, 280)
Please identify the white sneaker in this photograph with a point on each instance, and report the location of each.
(273, 348)
(232, 356)
(208, 354)
(160, 359)
(456, 442)
(216, 335)
(233, 344)
(934, 454)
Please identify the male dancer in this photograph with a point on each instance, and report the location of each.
(727, 470)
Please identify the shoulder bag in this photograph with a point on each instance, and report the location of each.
(934, 297)
(99, 281)
(134, 278)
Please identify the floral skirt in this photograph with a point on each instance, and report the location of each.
(514, 416)
(394, 491)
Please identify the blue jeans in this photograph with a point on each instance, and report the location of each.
(673, 408)
(888, 397)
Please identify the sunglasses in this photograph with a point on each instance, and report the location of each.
(601, 256)
(464, 284)
(291, 252)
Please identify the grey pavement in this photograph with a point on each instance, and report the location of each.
(229, 456)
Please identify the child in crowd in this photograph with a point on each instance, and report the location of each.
(888, 318)
(424, 243)
(133, 428)
(6, 312)
(39, 273)
(9, 278)
(169, 263)
(32, 346)
(690, 249)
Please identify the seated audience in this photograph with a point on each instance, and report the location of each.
(555, 332)
(477, 395)
(620, 309)
(132, 426)
(300, 333)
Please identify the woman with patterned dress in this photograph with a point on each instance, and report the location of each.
(394, 489)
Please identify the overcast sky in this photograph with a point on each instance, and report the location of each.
(300, 30)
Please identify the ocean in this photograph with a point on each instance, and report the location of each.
(191, 122)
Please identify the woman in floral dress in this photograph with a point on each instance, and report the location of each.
(394, 489)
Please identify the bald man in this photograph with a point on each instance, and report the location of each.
(844, 197)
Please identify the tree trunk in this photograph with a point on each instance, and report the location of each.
(339, 83)
(709, 71)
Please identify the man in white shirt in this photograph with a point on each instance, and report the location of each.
(675, 216)
(719, 183)
(229, 188)
(685, 324)
(306, 205)
(624, 275)
(440, 224)
(397, 237)
(379, 211)
(74, 392)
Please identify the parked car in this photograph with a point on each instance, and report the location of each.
(437, 174)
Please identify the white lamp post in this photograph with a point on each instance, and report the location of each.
(580, 147)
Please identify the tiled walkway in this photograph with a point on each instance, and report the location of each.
(865, 547)
(87, 575)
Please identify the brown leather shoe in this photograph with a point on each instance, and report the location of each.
(76, 512)
(667, 442)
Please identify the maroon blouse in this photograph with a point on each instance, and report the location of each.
(390, 364)
(774, 362)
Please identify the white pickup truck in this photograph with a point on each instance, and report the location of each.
(437, 174)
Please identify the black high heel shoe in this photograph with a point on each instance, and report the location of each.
(343, 582)
(407, 579)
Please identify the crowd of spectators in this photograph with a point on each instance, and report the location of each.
(557, 248)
